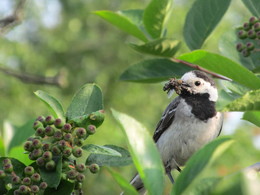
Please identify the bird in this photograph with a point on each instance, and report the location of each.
(188, 123)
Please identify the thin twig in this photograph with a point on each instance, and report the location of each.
(58, 80)
(200, 68)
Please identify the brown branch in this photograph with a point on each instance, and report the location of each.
(58, 80)
(14, 19)
(200, 68)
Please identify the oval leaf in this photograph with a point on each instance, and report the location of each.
(253, 6)
(249, 102)
(198, 162)
(87, 100)
(95, 149)
(224, 66)
(113, 161)
(53, 104)
(155, 70)
(160, 47)
(122, 22)
(155, 16)
(201, 20)
(253, 117)
(144, 153)
(52, 178)
(124, 184)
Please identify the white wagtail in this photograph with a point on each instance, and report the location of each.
(188, 123)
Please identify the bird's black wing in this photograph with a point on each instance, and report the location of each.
(167, 119)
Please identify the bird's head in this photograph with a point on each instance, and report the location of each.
(195, 83)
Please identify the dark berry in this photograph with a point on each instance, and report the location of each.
(7, 161)
(58, 135)
(246, 26)
(49, 131)
(46, 147)
(36, 177)
(35, 189)
(91, 129)
(31, 156)
(80, 177)
(240, 47)
(68, 137)
(72, 174)
(26, 181)
(37, 124)
(77, 152)
(257, 26)
(62, 144)
(47, 156)
(23, 189)
(40, 132)
(49, 120)
(250, 46)
(29, 170)
(67, 152)
(66, 128)
(40, 162)
(50, 165)
(55, 150)
(94, 168)
(242, 34)
(258, 34)
(2, 174)
(41, 119)
(37, 153)
(36, 143)
(80, 167)
(251, 34)
(16, 179)
(253, 20)
(28, 146)
(8, 168)
(43, 185)
(58, 123)
(245, 53)
(81, 132)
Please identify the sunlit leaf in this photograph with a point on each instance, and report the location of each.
(201, 20)
(122, 22)
(253, 6)
(53, 104)
(224, 66)
(154, 70)
(124, 184)
(87, 100)
(95, 149)
(155, 16)
(249, 102)
(161, 47)
(253, 117)
(108, 160)
(144, 153)
(18, 153)
(197, 163)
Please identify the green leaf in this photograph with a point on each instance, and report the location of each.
(160, 47)
(124, 184)
(205, 185)
(249, 102)
(2, 147)
(154, 70)
(134, 15)
(95, 149)
(126, 24)
(253, 117)
(52, 178)
(53, 104)
(253, 6)
(113, 161)
(18, 153)
(144, 153)
(197, 163)
(64, 188)
(21, 134)
(224, 66)
(201, 20)
(155, 16)
(87, 100)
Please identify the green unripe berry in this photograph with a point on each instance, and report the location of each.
(49, 131)
(36, 177)
(246, 26)
(2, 174)
(37, 153)
(97, 118)
(43, 185)
(66, 128)
(50, 166)
(242, 34)
(35, 189)
(257, 26)
(40, 132)
(68, 137)
(7, 161)
(26, 181)
(28, 146)
(46, 147)
(250, 46)
(36, 143)
(17, 192)
(16, 179)
(31, 156)
(62, 144)
(253, 20)
(80, 132)
(8, 168)
(40, 162)
(78, 142)
(77, 152)
(72, 174)
(49, 120)
(23, 189)
(94, 168)
(55, 150)
(65, 164)
(245, 53)
(58, 135)
(258, 34)
(78, 186)
(80, 167)
(58, 123)
(47, 156)
(240, 47)
(251, 34)
(80, 177)
(91, 129)
(67, 152)
(37, 124)
(29, 170)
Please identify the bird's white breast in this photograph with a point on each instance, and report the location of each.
(186, 135)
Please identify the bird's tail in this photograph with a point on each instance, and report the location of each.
(138, 184)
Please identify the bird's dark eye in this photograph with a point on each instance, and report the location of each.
(197, 83)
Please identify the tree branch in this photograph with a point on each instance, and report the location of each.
(58, 80)
(14, 19)
(201, 69)
(254, 167)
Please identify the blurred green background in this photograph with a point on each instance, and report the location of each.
(64, 37)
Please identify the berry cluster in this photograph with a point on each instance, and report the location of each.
(249, 30)
(30, 183)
